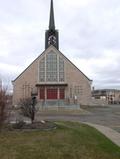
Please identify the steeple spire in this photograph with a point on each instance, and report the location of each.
(52, 35)
(51, 22)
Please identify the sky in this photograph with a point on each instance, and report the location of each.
(89, 33)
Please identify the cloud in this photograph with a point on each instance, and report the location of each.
(89, 36)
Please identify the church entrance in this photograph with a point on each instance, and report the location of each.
(51, 93)
(62, 93)
(42, 93)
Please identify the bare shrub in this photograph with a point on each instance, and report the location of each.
(18, 125)
(27, 107)
(3, 104)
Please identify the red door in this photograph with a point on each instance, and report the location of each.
(42, 93)
(52, 93)
(62, 93)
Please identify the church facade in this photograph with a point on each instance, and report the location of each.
(52, 76)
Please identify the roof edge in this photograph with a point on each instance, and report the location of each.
(51, 46)
(30, 64)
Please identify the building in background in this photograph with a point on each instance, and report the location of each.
(52, 76)
(112, 96)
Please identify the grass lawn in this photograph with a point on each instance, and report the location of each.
(69, 141)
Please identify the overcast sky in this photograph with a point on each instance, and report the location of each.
(89, 36)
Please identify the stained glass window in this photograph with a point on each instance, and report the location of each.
(54, 68)
(42, 70)
(61, 69)
(51, 67)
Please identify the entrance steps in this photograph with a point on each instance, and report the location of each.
(56, 105)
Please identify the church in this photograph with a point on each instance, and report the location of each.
(52, 76)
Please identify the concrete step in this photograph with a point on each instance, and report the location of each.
(55, 105)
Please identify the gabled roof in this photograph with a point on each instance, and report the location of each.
(74, 65)
(51, 47)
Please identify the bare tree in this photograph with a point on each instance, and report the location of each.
(27, 107)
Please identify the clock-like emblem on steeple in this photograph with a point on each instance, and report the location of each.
(52, 40)
(51, 35)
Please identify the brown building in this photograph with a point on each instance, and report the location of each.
(111, 96)
(52, 76)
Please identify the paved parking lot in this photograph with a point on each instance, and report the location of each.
(108, 116)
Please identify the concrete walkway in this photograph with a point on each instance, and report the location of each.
(108, 132)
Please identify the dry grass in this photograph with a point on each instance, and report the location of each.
(69, 141)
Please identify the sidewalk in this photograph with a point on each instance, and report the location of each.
(108, 132)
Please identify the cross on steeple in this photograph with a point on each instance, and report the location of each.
(51, 35)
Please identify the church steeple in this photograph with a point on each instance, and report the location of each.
(51, 22)
(51, 35)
